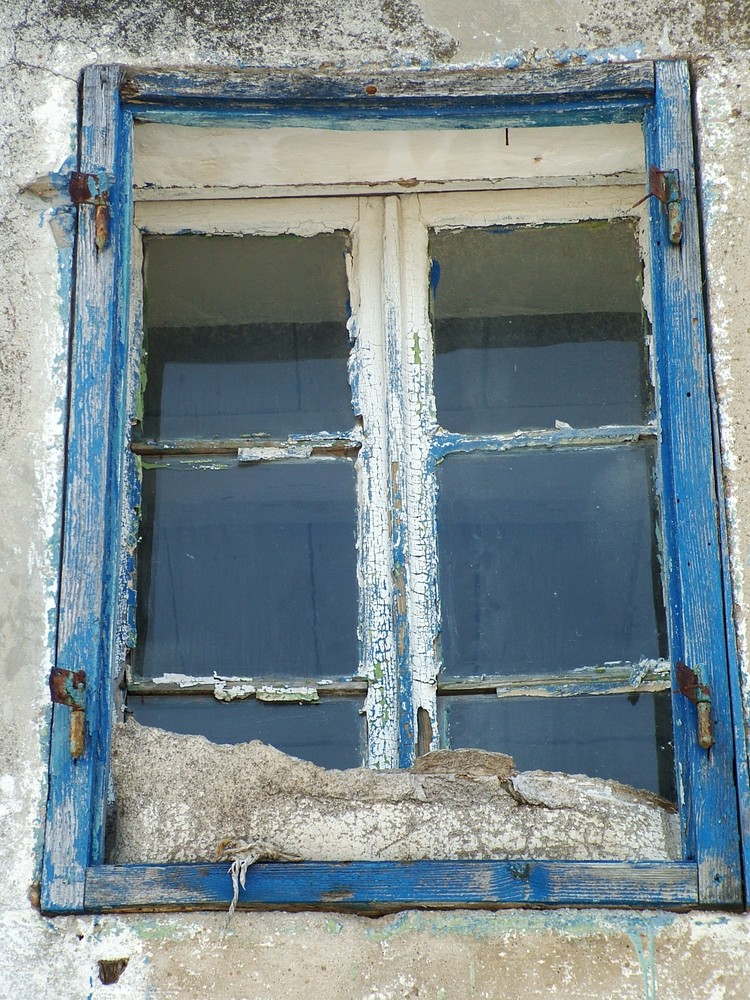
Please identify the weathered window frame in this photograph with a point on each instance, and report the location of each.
(75, 877)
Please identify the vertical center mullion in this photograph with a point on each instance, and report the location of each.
(420, 480)
(410, 419)
(370, 378)
(396, 396)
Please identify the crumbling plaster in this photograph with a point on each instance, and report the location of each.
(43, 46)
(178, 796)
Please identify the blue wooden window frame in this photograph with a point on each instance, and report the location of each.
(713, 784)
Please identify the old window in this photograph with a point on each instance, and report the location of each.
(434, 397)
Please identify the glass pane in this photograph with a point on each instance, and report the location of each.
(246, 335)
(534, 326)
(248, 571)
(329, 733)
(624, 737)
(548, 561)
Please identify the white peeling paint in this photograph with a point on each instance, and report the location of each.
(259, 453)
(367, 372)
(421, 486)
(225, 690)
(287, 693)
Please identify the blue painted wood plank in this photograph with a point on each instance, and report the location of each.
(695, 586)
(85, 627)
(378, 886)
(447, 443)
(633, 80)
(392, 99)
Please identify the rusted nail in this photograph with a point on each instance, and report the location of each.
(93, 189)
(101, 225)
(68, 687)
(371, 89)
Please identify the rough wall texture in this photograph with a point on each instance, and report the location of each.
(43, 46)
(178, 796)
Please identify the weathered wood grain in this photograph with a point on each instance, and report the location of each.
(85, 626)
(376, 887)
(695, 594)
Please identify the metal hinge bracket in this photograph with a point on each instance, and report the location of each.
(665, 185)
(68, 687)
(93, 189)
(689, 684)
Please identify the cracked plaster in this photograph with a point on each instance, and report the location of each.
(179, 796)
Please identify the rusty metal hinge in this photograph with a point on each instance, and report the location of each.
(665, 185)
(68, 687)
(689, 683)
(93, 189)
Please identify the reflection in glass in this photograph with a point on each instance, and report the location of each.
(547, 561)
(624, 737)
(246, 335)
(329, 733)
(538, 325)
(248, 571)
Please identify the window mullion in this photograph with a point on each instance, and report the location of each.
(420, 481)
(396, 396)
(369, 376)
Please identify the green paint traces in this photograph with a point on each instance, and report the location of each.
(480, 925)
(417, 351)
(644, 945)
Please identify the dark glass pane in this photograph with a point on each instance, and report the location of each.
(248, 571)
(534, 326)
(246, 335)
(547, 561)
(624, 737)
(329, 733)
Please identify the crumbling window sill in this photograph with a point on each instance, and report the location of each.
(178, 797)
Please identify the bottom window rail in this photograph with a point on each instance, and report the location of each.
(374, 887)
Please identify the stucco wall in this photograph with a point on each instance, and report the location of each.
(43, 46)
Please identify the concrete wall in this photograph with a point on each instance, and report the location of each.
(43, 46)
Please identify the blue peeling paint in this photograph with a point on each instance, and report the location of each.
(598, 57)
(434, 277)
(643, 942)
(400, 116)
(712, 201)
(510, 60)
